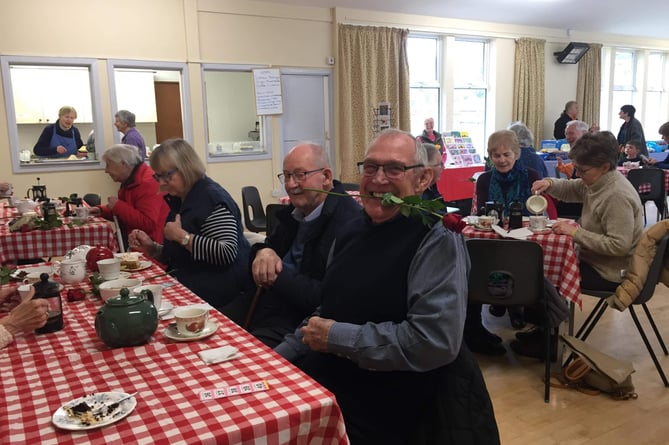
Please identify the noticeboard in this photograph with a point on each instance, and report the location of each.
(267, 84)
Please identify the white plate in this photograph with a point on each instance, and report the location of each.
(482, 229)
(172, 333)
(165, 307)
(29, 269)
(142, 265)
(95, 401)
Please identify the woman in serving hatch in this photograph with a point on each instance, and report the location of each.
(60, 139)
(203, 239)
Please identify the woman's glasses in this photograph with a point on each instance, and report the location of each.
(165, 176)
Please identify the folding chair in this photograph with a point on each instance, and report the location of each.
(649, 183)
(645, 295)
(251, 200)
(510, 272)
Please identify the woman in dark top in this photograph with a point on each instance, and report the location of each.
(60, 139)
(203, 240)
(506, 182)
(631, 129)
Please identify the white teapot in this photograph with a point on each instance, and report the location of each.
(25, 205)
(72, 271)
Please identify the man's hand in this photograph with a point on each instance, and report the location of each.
(316, 333)
(266, 267)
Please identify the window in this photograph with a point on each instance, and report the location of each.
(464, 82)
(635, 77)
(234, 130)
(423, 54)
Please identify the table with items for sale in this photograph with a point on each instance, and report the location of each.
(254, 396)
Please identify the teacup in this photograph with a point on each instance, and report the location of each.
(538, 223)
(72, 271)
(25, 205)
(24, 291)
(110, 268)
(191, 321)
(486, 222)
(156, 291)
(81, 212)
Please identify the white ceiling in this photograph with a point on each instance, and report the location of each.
(645, 18)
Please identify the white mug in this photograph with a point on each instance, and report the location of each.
(81, 212)
(110, 268)
(72, 271)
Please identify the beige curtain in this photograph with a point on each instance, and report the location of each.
(372, 67)
(589, 84)
(528, 85)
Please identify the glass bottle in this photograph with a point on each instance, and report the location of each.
(50, 291)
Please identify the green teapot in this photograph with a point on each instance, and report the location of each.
(126, 320)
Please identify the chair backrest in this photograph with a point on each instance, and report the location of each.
(506, 272)
(92, 199)
(654, 271)
(270, 216)
(251, 200)
(648, 182)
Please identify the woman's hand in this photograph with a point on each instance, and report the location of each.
(540, 186)
(139, 240)
(60, 150)
(29, 315)
(111, 202)
(174, 231)
(564, 228)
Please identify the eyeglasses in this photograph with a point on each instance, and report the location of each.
(167, 176)
(581, 170)
(392, 171)
(297, 176)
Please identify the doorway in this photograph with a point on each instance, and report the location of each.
(168, 110)
(307, 109)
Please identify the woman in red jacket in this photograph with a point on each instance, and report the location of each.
(139, 204)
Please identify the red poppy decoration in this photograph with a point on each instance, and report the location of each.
(453, 222)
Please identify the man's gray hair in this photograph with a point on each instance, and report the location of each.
(420, 156)
(524, 134)
(578, 125)
(126, 117)
(122, 153)
(320, 154)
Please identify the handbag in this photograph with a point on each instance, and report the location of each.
(594, 372)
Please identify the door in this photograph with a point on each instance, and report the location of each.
(168, 109)
(306, 110)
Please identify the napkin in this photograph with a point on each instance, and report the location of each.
(218, 355)
(521, 233)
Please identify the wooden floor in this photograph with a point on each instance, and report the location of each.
(574, 418)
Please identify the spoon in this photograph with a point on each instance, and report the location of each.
(117, 403)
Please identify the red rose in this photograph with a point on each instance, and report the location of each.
(453, 222)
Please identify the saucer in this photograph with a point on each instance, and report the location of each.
(172, 333)
(541, 231)
(483, 229)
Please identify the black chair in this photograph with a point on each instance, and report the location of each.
(649, 183)
(645, 295)
(270, 216)
(92, 199)
(508, 273)
(251, 200)
(351, 186)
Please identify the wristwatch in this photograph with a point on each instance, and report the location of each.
(185, 240)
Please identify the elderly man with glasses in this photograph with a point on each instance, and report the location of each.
(289, 266)
(387, 338)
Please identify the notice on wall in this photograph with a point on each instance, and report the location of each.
(267, 83)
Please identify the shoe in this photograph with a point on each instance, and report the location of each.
(482, 346)
(496, 310)
(532, 332)
(534, 347)
(517, 317)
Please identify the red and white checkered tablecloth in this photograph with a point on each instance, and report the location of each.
(560, 261)
(54, 242)
(41, 373)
